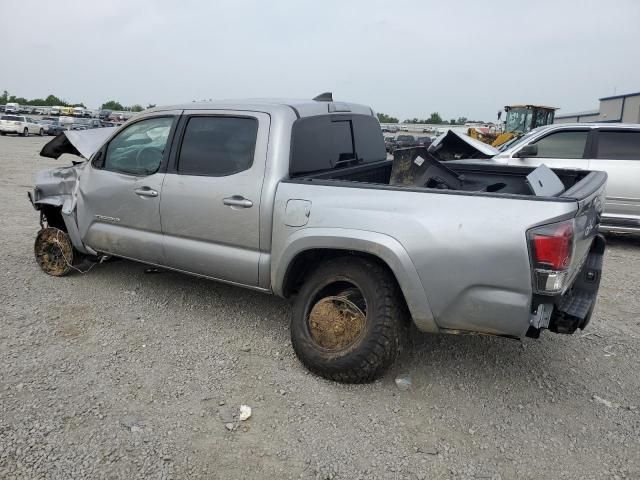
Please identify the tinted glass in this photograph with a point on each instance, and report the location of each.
(12, 118)
(342, 139)
(139, 148)
(326, 141)
(217, 146)
(619, 145)
(562, 145)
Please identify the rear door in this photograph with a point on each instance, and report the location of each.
(210, 202)
(559, 149)
(617, 152)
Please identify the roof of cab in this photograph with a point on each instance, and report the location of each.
(301, 107)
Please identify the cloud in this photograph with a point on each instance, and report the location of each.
(406, 58)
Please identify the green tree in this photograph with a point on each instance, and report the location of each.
(137, 108)
(384, 118)
(4, 97)
(112, 105)
(435, 118)
(461, 120)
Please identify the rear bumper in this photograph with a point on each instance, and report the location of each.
(566, 313)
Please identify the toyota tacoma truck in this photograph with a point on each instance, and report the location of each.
(298, 199)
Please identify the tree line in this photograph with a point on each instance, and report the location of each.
(434, 119)
(54, 101)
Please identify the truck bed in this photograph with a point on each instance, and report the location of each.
(477, 179)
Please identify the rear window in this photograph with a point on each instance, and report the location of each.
(217, 146)
(332, 141)
(619, 145)
(11, 117)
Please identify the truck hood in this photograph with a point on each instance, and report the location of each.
(453, 146)
(82, 143)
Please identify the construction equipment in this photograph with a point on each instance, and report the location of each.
(520, 119)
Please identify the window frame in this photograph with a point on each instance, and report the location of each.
(596, 143)
(101, 154)
(179, 140)
(588, 146)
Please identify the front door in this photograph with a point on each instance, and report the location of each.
(210, 203)
(618, 154)
(119, 191)
(561, 149)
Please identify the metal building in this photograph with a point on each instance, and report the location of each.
(616, 109)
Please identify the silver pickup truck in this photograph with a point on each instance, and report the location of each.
(297, 198)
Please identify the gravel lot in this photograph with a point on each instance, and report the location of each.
(122, 374)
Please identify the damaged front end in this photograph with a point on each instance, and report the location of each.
(457, 146)
(55, 196)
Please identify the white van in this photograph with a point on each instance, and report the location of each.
(78, 111)
(54, 111)
(12, 108)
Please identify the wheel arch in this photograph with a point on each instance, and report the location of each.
(307, 247)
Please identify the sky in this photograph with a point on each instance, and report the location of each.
(406, 58)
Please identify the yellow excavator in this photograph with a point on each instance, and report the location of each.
(520, 119)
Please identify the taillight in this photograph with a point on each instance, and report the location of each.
(551, 252)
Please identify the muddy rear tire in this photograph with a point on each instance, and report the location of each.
(328, 331)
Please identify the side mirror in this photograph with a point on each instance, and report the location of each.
(527, 151)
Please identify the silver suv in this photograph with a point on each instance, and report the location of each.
(612, 148)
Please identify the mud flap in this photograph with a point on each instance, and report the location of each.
(574, 309)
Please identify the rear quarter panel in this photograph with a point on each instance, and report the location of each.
(469, 251)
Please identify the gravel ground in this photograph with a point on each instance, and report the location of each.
(122, 374)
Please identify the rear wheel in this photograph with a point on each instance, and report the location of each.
(347, 320)
(25, 132)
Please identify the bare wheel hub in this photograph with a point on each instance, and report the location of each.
(54, 251)
(337, 322)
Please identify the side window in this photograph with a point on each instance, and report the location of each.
(619, 145)
(138, 149)
(217, 146)
(568, 144)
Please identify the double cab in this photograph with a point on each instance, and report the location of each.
(297, 198)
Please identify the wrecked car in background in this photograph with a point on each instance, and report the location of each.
(297, 198)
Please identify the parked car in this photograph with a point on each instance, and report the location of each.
(19, 125)
(390, 144)
(423, 141)
(286, 198)
(609, 147)
(104, 114)
(53, 128)
(405, 141)
(12, 107)
(404, 128)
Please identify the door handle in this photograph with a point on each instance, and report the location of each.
(238, 201)
(146, 192)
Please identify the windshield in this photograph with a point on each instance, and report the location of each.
(518, 120)
(516, 140)
(11, 117)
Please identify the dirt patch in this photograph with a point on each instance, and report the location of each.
(336, 322)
